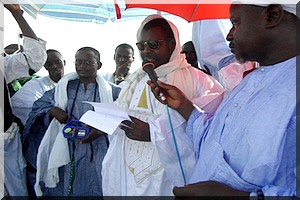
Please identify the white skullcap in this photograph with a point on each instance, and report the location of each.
(291, 7)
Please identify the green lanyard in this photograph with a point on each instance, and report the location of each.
(72, 172)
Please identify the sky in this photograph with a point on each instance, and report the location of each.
(68, 36)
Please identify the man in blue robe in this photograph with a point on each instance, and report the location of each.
(67, 167)
(248, 145)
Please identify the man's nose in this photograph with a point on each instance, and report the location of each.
(229, 36)
(147, 49)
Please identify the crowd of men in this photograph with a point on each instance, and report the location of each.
(188, 136)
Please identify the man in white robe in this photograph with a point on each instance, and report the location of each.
(132, 166)
(34, 89)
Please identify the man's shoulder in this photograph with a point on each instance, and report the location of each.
(113, 85)
(107, 76)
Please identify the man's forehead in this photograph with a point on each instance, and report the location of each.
(236, 10)
(126, 50)
(54, 55)
(85, 52)
(152, 33)
(151, 30)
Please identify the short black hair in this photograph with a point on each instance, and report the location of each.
(168, 32)
(96, 52)
(125, 46)
(53, 51)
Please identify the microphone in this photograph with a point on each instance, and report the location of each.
(148, 67)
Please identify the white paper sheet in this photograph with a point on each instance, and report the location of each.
(106, 117)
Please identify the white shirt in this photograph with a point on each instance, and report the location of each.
(23, 100)
(16, 66)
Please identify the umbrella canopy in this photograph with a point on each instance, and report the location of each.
(191, 10)
(85, 10)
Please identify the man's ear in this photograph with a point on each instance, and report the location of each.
(99, 65)
(64, 63)
(274, 15)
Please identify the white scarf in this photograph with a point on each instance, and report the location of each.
(54, 151)
(164, 72)
(172, 73)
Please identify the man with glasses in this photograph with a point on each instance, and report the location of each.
(64, 164)
(131, 166)
(124, 57)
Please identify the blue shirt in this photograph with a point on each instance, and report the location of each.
(250, 142)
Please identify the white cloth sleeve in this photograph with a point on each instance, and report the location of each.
(162, 138)
(16, 66)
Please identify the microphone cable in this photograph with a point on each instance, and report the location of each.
(149, 67)
(175, 142)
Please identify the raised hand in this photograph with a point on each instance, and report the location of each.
(123, 68)
(13, 8)
(17, 13)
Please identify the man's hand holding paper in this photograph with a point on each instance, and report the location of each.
(136, 129)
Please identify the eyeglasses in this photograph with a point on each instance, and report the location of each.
(152, 44)
(85, 62)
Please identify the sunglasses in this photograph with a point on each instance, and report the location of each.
(152, 44)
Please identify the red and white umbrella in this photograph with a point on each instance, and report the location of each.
(190, 10)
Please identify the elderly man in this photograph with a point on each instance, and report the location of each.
(248, 146)
(131, 158)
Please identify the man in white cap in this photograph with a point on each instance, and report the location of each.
(248, 146)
